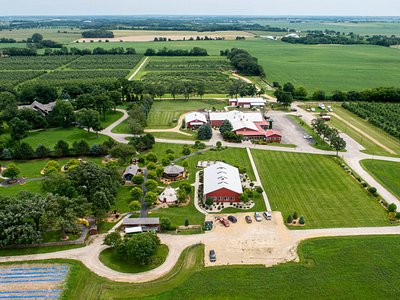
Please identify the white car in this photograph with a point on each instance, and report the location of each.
(257, 217)
(308, 137)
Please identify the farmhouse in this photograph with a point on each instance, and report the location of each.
(44, 109)
(247, 102)
(222, 183)
(251, 125)
(195, 120)
(146, 224)
(131, 171)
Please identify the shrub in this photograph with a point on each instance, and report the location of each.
(186, 222)
(301, 221)
(135, 205)
(137, 179)
(295, 215)
(259, 190)
(151, 166)
(152, 175)
(209, 201)
(392, 207)
(136, 193)
(372, 190)
(289, 219)
(364, 184)
(151, 185)
(165, 223)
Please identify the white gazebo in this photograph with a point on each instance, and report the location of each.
(168, 196)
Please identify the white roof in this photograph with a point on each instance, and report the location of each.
(195, 116)
(136, 229)
(168, 195)
(238, 119)
(253, 101)
(222, 175)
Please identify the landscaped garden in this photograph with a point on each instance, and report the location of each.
(316, 187)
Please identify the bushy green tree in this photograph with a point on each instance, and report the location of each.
(165, 223)
(136, 193)
(135, 205)
(204, 132)
(150, 198)
(11, 171)
(151, 185)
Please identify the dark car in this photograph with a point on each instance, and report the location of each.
(208, 225)
(248, 219)
(213, 257)
(232, 219)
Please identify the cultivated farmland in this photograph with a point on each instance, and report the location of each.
(317, 188)
(93, 62)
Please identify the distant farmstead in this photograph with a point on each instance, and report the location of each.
(222, 183)
(195, 120)
(247, 102)
(44, 109)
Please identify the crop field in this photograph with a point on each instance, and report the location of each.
(187, 63)
(317, 188)
(386, 173)
(12, 78)
(327, 67)
(94, 62)
(343, 265)
(34, 62)
(59, 34)
(374, 132)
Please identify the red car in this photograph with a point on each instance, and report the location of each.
(225, 222)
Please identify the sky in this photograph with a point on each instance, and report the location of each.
(201, 7)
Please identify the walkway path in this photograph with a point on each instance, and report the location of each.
(258, 179)
(138, 69)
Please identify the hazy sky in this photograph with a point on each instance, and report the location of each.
(201, 7)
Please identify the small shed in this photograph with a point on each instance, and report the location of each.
(147, 224)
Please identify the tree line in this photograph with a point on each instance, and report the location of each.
(195, 51)
(12, 51)
(243, 62)
(328, 134)
(97, 33)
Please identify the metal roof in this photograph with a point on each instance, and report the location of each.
(222, 175)
(173, 169)
(195, 116)
(132, 170)
(141, 221)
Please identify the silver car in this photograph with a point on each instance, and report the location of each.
(257, 217)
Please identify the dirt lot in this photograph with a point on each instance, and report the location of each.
(149, 35)
(266, 242)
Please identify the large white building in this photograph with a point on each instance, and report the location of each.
(195, 119)
(247, 102)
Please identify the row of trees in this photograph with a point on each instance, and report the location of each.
(328, 133)
(97, 33)
(195, 51)
(243, 62)
(32, 51)
(285, 95)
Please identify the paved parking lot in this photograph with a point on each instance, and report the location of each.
(265, 242)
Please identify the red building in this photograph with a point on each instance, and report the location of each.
(273, 136)
(195, 120)
(222, 183)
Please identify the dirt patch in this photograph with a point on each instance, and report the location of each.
(266, 242)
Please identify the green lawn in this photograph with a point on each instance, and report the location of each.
(376, 133)
(317, 188)
(111, 117)
(32, 186)
(175, 136)
(50, 137)
(120, 264)
(37, 250)
(123, 199)
(386, 173)
(349, 268)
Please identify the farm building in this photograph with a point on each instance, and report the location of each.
(146, 224)
(44, 109)
(222, 183)
(247, 102)
(131, 171)
(195, 120)
(251, 125)
(168, 196)
(173, 172)
(273, 136)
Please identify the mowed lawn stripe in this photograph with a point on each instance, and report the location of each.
(317, 188)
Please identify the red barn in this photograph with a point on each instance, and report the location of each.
(222, 183)
(195, 120)
(273, 136)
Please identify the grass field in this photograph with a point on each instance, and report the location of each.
(317, 188)
(48, 34)
(175, 135)
(349, 268)
(109, 258)
(327, 67)
(376, 133)
(37, 250)
(386, 173)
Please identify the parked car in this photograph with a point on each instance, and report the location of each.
(248, 219)
(225, 222)
(232, 219)
(267, 215)
(308, 137)
(257, 217)
(294, 109)
(208, 225)
(213, 257)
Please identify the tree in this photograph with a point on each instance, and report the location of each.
(244, 198)
(186, 187)
(61, 148)
(181, 195)
(226, 126)
(151, 166)
(135, 205)
(137, 179)
(18, 129)
(186, 150)
(42, 151)
(300, 93)
(136, 193)
(301, 221)
(6, 154)
(204, 132)
(295, 215)
(62, 114)
(112, 239)
(200, 89)
(150, 198)
(81, 147)
(259, 190)
(23, 151)
(151, 157)
(209, 201)
(56, 183)
(372, 190)
(186, 222)
(289, 88)
(319, 95)
(392, 207)
(151, 185)
(165, 223)
(337, 143)
(122, 151)
(289, 219)
(169, 151)
(159, 171)
(141, 247)
(284, 98)
(89, 119)
(37, 38)
(152, 175)
(219, 145)
(11, 171)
